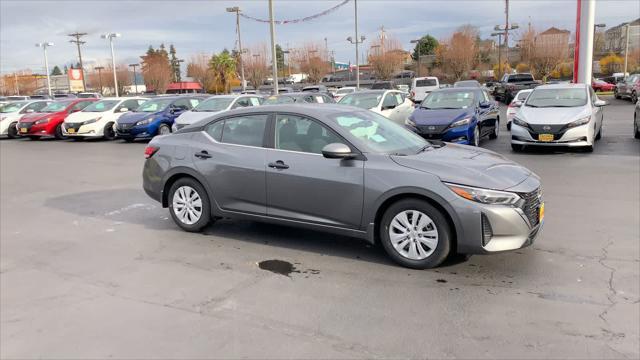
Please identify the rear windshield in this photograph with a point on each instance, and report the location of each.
(557, 98)
(279, 100)
(426, 82)
(520, 77)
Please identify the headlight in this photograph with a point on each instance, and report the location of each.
(485, 196)
(91, 121)
(43, 121)
(578, 122)
(516, 120)
(462, 122)
(145, 121)
(410, 122)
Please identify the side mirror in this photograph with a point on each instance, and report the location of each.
(600, 103)
(485, 104)
(123, 109)
(388, 107)
(337, 151)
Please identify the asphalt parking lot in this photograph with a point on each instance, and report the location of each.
(90, 267)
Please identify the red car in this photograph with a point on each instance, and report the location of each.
(601, 85)
(48, 121)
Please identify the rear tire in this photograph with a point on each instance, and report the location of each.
(517, 147)
(188, 213)
(404, 249)
(634, 97)
(58, 133)
(496, 130)
(12, 131)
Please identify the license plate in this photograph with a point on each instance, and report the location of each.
(541, 212)
(24, 130)
(545, 137)
(71, 131)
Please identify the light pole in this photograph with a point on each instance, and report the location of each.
(236, 10)
(110, 36)
(505, 30)
(274, 58)
(44, 46)
(626, 53)
(177, 63)
(357, 43)
(135, 79)
(99, 68)
(499, 35)
(419, 42)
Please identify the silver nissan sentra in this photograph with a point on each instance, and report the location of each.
(347, 171)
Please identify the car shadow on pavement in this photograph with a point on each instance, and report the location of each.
(132, 206)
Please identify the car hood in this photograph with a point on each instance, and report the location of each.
(467, 165)
(192, 117)
(33, 117)
(553, 115)
(81, 116)
(133, 117)
(422, 116)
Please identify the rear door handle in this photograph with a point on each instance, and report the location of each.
(203, 154)
(278, 165)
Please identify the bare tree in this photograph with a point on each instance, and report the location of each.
(255, 65)
(198, 69)
(546, 54)
(386, 57)
(313, 60)
(125, 78)
(459, 53)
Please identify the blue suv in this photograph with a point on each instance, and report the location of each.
(459, 115)
(154, 117)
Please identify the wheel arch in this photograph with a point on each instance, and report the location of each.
(185, 172)
(431, 198)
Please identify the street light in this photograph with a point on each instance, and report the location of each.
(110, 36)
(499, 35)
(99, 68)
(357, 43)
(44, 46)
(177, 63)
(135, 80)
(237, 10)
(506, 30)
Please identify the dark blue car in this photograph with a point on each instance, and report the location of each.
(459, 115)
(154, 117)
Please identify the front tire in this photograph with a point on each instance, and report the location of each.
(634, 97)
(636, 130)
(476, 136)
(616, 94)
(12, 131)
(58, 133)
(109, 132)
(164, 129)
(189, 205)
(496, 130)
(415, 234)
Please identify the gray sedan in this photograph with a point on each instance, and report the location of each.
(348, 171)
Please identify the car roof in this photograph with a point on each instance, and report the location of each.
(309, 109)
(562, 86)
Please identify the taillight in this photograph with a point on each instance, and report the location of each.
(149, 151)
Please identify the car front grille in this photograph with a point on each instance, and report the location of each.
(24, 125)
(125, 126)
(531, 206)
(431, 129)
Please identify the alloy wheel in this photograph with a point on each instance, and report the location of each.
(164, 130)
(413, 234)
(187, 205)
(476, 136)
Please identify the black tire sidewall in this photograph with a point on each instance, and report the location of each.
(12, 131)
(444, 234)
(58, 133)
(205, 219)
(164, 126)
(112, 133)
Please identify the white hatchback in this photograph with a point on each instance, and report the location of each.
(515, 105)
(11, 113)
(390, 103)
(559, 115)
(214, 105)
(98, 119)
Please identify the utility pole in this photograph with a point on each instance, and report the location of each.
(274, 60)
(15, 77)
(357, 41)
(99, 68)
(506, 29)
(626, 52)
(78, 42)
(499, 35)
(111, 36)
(135, 80)
(236, 10)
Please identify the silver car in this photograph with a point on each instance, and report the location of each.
(348, 171)
(559, 115)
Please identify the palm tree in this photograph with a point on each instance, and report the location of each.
(224, 67)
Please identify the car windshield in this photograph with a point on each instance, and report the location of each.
(279, 100)
(12, 107)
(100, 106)
(364, 101)
(377, 134)
(56, 106)
(470, 83)
(154, 105)
(214, 104)
(426, 82)
(448, 100)
(571, 97)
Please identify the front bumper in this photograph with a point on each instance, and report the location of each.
(574, 137)
(80, 130)
(458, 135)
(497, 228)
(33, 129)
(131, 131)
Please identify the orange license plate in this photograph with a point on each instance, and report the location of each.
(24, 130)
(545, 137)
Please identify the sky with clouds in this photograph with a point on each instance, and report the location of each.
(204, 26)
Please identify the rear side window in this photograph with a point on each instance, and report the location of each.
(215, 130)
(426, 82)
(241, 130)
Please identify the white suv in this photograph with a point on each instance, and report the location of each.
(97, 120)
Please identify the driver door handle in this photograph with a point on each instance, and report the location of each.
(278, 165)
(204, 154)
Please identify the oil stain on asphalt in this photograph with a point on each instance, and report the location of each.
(284, 268)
